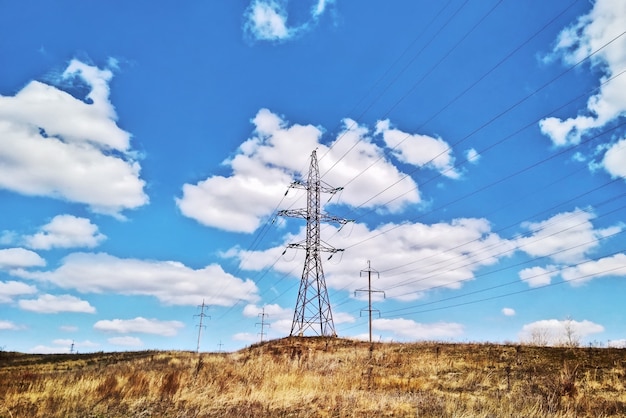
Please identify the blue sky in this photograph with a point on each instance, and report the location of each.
(146, 147)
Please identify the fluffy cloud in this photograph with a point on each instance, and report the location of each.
(538, 276)
(558, 332)
(409, 330)
(615, 159)
(8, 290)
(66, 231)
(508, 311)
(584, 272)
(55, 304)
(126, 341)
(140, 325)
(268, 162)
(20, 258)
(605, 22)
(63, 346)
(274, 311)
(8, 325)
(266, 20)
(53, 144)
(442, 255)
(419, 150)
(169, 281)
(566, 237)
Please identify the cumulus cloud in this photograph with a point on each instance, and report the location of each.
(245, 336)
(508, 311)
(62, 346)
(55, 304)
(269, 161)
(418, 150)
(8, 325)
(171, 282)
(274, 311)
(558, 332)
(140, 325)
(66, 231)
(605, 22)
(615, 159)
(10, 289)
(442, 255)
(267, 20)
(126, 341)
(567, 237)
(54, 144)
(20, 258)
(604, 267)
(472, 156)
(409, 330)
(538, 276)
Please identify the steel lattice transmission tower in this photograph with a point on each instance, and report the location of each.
(312, 312)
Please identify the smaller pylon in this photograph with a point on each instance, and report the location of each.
(202, 315)
(369, 291)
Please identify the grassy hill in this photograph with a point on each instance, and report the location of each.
(319, 377)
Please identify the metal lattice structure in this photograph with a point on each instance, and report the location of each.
(312, 312)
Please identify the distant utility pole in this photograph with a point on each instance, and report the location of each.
(263, 315)
(312, 310)
(219, 346)
(369, 291)
(72, 347)
(202, 315)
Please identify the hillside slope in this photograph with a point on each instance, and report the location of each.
(317, 377)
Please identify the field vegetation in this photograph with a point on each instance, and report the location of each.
(319, 377)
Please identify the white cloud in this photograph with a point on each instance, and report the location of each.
(245, 336)
(68, 328)
(140, 325)
(274, 311)
(441, 255)
(169, 281)
(615, 159)
(567, 237)
(268, 162)
(8, 325)
(20, 258)
(45, 349)
(126, 341)
(77, 344)
(267, 20)
(55, 304)
(419, 150)
(591, 32)
(10, 289)
(62, 346)
(508, 311)
(66, 231)
(621, 343)
(555, 332)
(472, 156)
(589, 270)
(406, 329)
(53, 144)
(538, 276)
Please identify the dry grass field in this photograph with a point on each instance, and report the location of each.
(317, 377)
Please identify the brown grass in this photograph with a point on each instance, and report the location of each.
(316, 377)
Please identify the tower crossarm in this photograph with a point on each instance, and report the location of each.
(323, 217)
